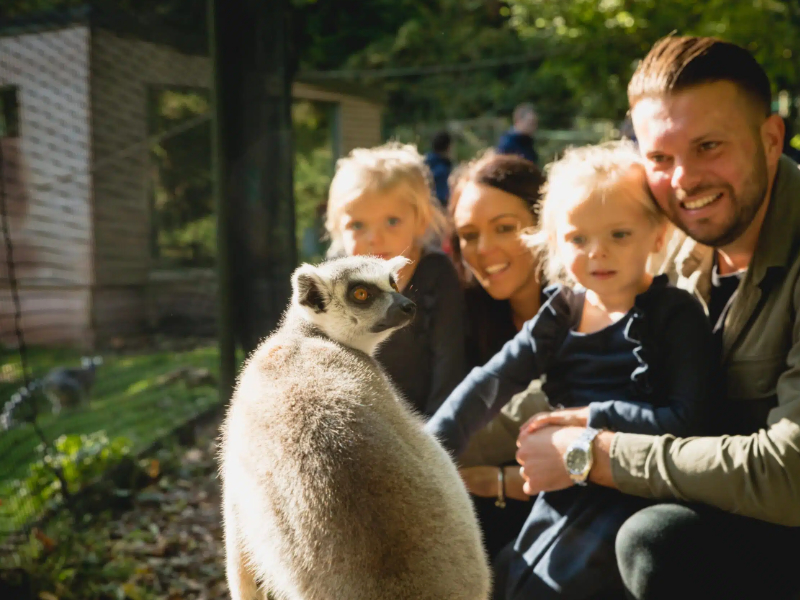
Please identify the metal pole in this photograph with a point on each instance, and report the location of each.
(227, 342)
(255, 155)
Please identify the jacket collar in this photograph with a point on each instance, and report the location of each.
(777, 242)
(780, 232)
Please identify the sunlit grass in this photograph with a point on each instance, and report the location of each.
(128, 400)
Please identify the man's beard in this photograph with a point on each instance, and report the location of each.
(745, 206)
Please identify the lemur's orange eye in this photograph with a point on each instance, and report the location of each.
(360, 294)
(393, 283)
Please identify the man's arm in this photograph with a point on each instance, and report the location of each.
(754, 475)
(601, 469)
(541, 454)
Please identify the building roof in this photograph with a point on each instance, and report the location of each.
(151, 28)
(346, 88)
(148, 28)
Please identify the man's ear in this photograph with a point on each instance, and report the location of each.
(308, 289)
(772, 133)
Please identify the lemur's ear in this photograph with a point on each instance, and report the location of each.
(308, 288)
(397, 263)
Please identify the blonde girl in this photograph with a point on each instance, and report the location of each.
(381, 203)
(618, 349)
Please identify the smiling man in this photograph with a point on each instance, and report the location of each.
(730, 526)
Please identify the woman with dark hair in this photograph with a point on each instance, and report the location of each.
(494, 198)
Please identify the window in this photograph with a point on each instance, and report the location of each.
(182, 196)
(314, 124)
(9, 112)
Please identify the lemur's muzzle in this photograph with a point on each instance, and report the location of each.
(401, 312)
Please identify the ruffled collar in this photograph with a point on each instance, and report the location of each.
(637, 332)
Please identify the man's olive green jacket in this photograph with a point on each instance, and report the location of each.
(757, 473)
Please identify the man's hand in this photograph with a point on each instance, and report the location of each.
(541, 454)
(567, 417)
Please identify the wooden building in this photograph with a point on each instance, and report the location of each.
(75, 172)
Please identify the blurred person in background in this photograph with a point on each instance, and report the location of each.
(519, 139)
(438, 161)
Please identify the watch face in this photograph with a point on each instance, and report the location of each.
(575, 461)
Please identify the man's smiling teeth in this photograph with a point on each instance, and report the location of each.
(491, 270)
(700, 202)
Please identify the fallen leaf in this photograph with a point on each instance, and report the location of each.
(153, 470)
(47, 596)
(48, 543)
(132, 591)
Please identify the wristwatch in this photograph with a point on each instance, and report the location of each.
(578, 458)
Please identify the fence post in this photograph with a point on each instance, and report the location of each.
(255, 157)
(226, 339)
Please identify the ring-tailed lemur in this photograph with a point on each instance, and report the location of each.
(61, 387)
(331, 488)
(68, 387)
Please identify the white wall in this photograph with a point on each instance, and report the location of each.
(46, 176)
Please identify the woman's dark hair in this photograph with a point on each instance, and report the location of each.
(490, 321)
(506, 172)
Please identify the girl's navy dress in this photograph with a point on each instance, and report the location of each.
(650, 372)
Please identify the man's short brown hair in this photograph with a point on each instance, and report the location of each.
(676, 63)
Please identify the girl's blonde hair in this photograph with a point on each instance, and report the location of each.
(381, 169)
(582, 174)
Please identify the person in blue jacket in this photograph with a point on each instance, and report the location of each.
(438, 161)
(519, 139)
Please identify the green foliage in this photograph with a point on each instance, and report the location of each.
(195, 242)
(167, 546)
(581, 53)
(313, 169)
(454, 32)
(130, 400)
(595, 46)
(183, 200)
(81, 459)
(328, 33)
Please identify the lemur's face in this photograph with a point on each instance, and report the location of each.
(354, 300)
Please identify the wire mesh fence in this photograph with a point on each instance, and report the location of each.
(108, 282)
(108, 317)
(471, 136)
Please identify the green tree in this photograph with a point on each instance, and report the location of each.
(423, 38)
(596, 45)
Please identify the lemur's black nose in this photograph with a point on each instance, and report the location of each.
(408, 307)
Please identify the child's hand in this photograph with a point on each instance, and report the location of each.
(567, 417)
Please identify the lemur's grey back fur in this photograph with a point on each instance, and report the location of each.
(68, 387)
(331, 488)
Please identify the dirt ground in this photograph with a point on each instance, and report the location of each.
(179, 542)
